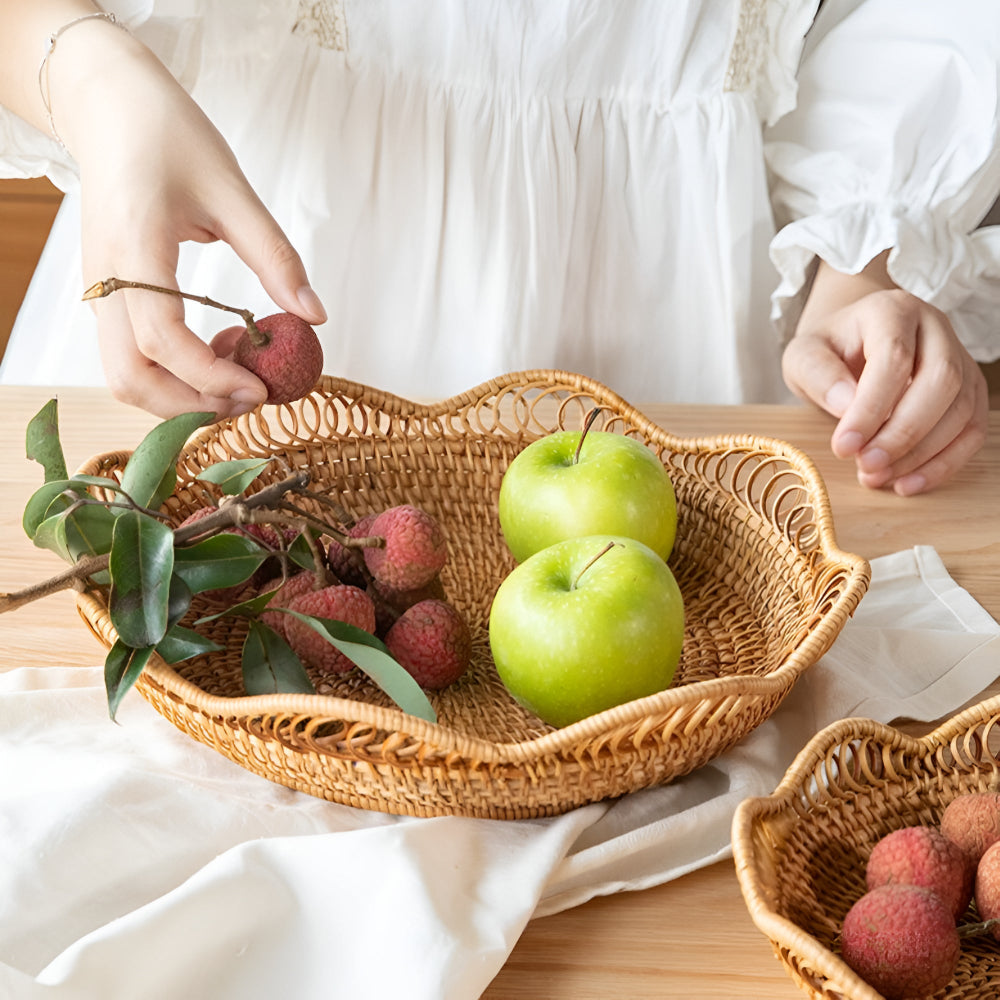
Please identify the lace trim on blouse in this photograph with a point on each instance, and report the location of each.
(324, 22)
(746, 57)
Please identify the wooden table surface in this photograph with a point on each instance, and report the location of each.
(689, 938)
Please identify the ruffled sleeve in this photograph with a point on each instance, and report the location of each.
(170, 31)
(893, 144)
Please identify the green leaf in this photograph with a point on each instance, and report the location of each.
(375, 660)
(103, 481)
(89, 530)
(55, 496)
(270, 665)
(42, 442)
(141, 564)
(236, 475)
(224, 560)
(40, 504)
(300, 553)
(182, 643)
(122, 667)
(51, 534)
(249, 608)
(178, 601)
(151, 473)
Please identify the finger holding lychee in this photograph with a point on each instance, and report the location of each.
(281, 350)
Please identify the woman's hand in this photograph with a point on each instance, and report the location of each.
(155, 173)
(912, 404)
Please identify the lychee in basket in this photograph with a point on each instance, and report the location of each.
(801, 852)
(766, 592)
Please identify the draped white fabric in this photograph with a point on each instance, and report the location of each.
(480, 187)
(135, 862)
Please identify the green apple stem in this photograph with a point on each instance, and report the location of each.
(607, 548)
(587, 424)
(100, 289)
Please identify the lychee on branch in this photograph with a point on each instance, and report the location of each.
(282, 349)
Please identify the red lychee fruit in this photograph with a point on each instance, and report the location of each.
(973, 822)
(987, 886)
(902, 940)
(301, 583)
(390, 604)
(431, 640)
(925, 857)
(414, 549)
(341, 602)
(288, 359)
(348, 564)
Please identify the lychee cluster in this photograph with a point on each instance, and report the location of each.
(903, 936)
(388, 584)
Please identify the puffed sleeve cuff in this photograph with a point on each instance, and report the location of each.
(957, 273)
(876, 157)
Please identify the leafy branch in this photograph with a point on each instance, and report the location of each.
(118, 538)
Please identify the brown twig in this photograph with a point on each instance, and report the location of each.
(100, 289)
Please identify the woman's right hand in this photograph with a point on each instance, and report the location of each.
(155, 173)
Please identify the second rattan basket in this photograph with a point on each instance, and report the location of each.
(801, 852)
(766, 592)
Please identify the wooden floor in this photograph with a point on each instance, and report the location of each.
(27, 208)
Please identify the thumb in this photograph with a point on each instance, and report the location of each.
(814, 371)
(262, 245)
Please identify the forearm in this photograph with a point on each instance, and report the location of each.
(25, 26)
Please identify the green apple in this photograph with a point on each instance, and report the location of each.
(586, 624)
(558, 487)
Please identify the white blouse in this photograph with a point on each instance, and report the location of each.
(633, 190)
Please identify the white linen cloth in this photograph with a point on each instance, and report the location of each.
(479, 186)
(135, 862)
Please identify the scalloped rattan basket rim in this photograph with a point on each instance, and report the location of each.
(635, 712)
(782, 932)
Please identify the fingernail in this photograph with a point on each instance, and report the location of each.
(311, 304)
(849, 443)
(874, 460)
(906, 486)
(839, 398)
(240, 408)
(248, 398)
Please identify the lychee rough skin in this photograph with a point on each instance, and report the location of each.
(923, 856)
(341, 602)
(972, 821)
(291, 361)
(432, 642)
(348, 564)
(987, 889)
(414, 551)
(902, 940)
(301, 583)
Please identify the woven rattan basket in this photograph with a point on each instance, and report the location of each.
(766, 592)
(801, 853)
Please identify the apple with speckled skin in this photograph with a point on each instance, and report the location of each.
(587, 624)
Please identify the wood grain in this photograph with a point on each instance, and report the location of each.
(689, 938)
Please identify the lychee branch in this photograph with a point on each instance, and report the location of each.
(108, 286)
(228, 515)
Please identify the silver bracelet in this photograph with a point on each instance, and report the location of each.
(43, 66)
